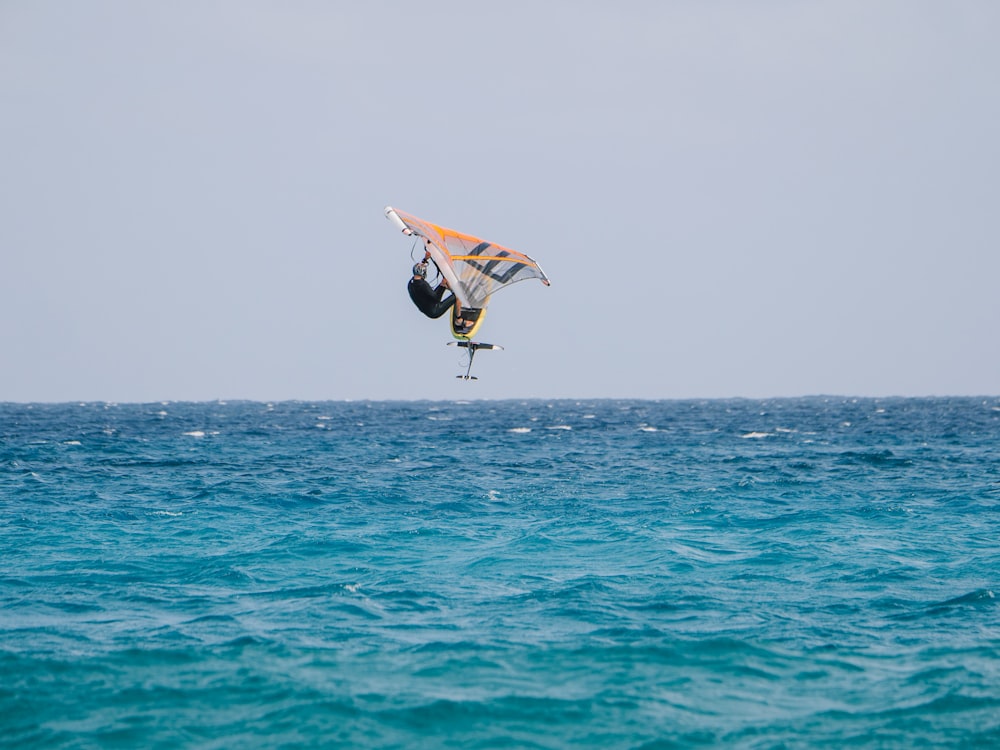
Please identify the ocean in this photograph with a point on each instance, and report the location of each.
(787, 573)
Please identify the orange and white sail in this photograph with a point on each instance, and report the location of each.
(474, 268)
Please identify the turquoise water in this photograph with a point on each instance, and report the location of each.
(790, 573)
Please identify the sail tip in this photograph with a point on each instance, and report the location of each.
(393, 217)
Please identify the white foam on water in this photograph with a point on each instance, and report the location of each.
(755, 435)
(519, 430)
(195, 433)
(72, 442)
(559, 427)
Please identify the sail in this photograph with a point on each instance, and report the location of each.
(474, 268)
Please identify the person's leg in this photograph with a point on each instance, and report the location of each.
(442, 307)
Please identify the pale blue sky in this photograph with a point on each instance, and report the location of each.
(731, 198)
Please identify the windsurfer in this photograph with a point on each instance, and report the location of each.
(429, 300)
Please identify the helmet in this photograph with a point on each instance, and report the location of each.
(420, 269)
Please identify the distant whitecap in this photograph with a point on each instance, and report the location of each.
(755, 435)
(519, 430)
(195, 433)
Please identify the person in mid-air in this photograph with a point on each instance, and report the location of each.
(429, 300)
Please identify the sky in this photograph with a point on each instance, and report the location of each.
(732, 199)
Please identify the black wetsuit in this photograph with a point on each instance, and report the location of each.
(429, 300)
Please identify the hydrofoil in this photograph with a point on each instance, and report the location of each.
(473, 347)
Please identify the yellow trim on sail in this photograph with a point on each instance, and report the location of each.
(512, 259)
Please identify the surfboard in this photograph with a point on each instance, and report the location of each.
(475, 315)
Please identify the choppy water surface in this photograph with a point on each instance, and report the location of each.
(607, 574)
